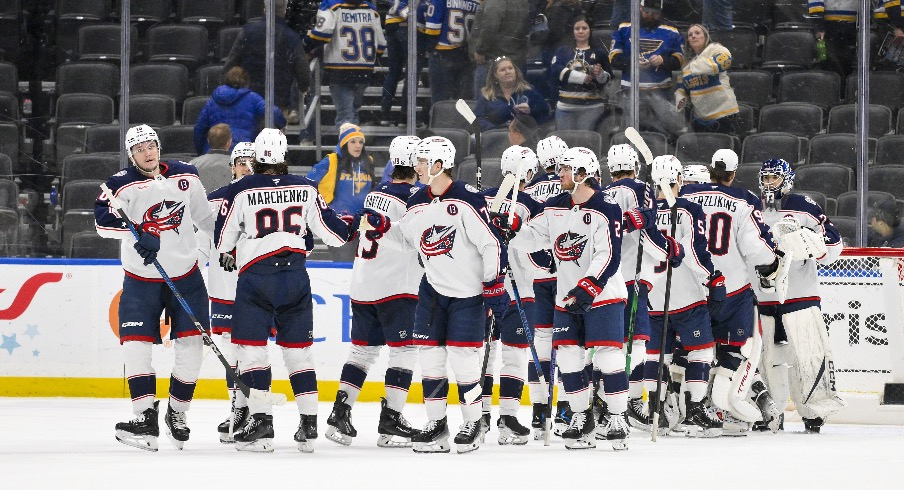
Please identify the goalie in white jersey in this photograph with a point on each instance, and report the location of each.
(737, 239)
(383, 295)
(797, 356)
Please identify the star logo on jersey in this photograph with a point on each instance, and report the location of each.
(569, 247)
(166, 214)
(438, 240)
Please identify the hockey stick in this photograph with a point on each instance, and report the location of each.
(670, 198)
(250, 393)
(462, 107)
(552, 383)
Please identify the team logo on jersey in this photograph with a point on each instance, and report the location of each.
(452, 210)
(569, 247)
(438, 240)
(167, 215)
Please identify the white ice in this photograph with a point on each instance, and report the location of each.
(68, 443)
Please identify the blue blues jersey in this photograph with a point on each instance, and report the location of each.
(662, 40)
(449, 22)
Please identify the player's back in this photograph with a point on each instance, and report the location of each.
(451, 20)
(544, 186)
(355, 34)
(629, 194)
(735, 232)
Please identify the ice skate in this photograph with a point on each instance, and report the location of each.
(306, 433)
(617, 431)
(636, 416)
(142, 431)
(485, 421)
(341, 430)
(563, 418)
(732, 426)
(538, 420)
(256, 435)
(812, 426)
(176, 429)
(672, 411)
(469, 436)
(433, 439)
(394, 430)
(601, 415)
(233, 424)
(511, 432)
(768, 408)
(580, 432)
(699, 422)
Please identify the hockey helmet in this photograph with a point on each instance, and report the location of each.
(519, 155)
(140, 134)
(779, 168)
(244, 149)
(622, 158)
(580, 158)
(400, 150)
(270, 146)
(695, 174)
(550, 150)
(665, 168)
(436, 148)
(728, 159)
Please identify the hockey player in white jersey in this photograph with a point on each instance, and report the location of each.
(264, 221)
(695, 285)
(382, 315)
(221, 288)
(584, 228)
(170, 201)
(737, 239)
(447, 222)
(797, 357)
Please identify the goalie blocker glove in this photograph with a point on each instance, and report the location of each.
(639, 219)
(717, 293)
(580, 298)
(148, 243)
(495, 297)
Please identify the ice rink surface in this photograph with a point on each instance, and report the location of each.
(68, 443)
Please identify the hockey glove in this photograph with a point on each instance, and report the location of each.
(227, 262)
(506, 227)
(638, 219)
(716, 285)
(495, 297)
(375, 221)
(675, 251)
(767, 275)
(148, 243)
(580, 298)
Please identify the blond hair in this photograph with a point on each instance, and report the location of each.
(492, 90)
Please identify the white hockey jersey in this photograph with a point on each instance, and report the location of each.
(688, 279)
(630, 194)
(585, 240)
(456, 242)
(523, 267)
(380, 274)
(220, 284)
(352, 36)
(735, 232)
(264, 215)
(176, 201)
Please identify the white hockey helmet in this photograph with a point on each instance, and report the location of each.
(726, 157)
(667, 168)
(550, 150)
(140, 134)
(695, 174)
(581, 158)
(270, 146)
(622, 158)
(436, 148)
(400, 150)
(519, 155)
(242, 150)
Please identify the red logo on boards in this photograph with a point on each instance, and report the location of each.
(27, 293)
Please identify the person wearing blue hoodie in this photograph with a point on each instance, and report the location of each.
(235, 104)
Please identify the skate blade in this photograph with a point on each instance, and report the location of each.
(439, 446)
(733, 433)
(176, 443)
(539, 434)
(148, 443)
(702, 433)
(638, 424)
(387, 440)
(512, 440)
(227, 439)
(334, 435)
(306, 447)
(467, 448)
(583, 443)
(619, 444)
(264, 445)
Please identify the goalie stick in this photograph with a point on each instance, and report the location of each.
(670, 198)
(250, 393)
(465, 110)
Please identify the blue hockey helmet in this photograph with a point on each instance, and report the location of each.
(775, 189)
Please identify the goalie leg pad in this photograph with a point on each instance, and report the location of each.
(775, 365)
(813, 373)
(300, 364)
(733, 378)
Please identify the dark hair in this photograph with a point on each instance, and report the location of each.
(219, 136)
(719, 174)
(621, 174)
(271, 169)
(575, 20)
(237, 77)
(345, 162)
(527, 127)
(402, 172)
(887, 212)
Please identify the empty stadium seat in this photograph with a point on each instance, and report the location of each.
(103, 138)
(789, 50)
(658, 142)
(821, 88)
(887, 178)
(747, 176)
(699, 147)
(797, 118)
(890, 150)
(104, 43)
(490, 170)
(84, 109)
(837, 148)
(225, 40)
(9, 78)
(847, 228)
(842, 119)
(88, 167)
(444, 115)
(741, 43)
(90, 245)
(153, 110)
(849, 201)
(9, 140)
(88, 78)
(208, 78)
(177, 139)
(159, 78)
(460, 139)
(191, 109)
(830, 179)
(759, 147)
(885, 88)
(184, 44)
(209, 12)
(578, 137)
(494, 142)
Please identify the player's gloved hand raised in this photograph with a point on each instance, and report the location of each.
(717, 293)
(507, 226)
(227, 262)
(375, 221)
(580, 298)
(495, 297)
(148, 243)
(674, 250)
(638, 219)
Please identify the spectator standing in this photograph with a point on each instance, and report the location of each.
(704, 84)
(501, 28)
(446, 28)
(836, 24)
(215, 166)
(289, 65)
(505, 94)
(718, 15)
(397, 54)
(580, 72)
(885, 226)
(235, 104)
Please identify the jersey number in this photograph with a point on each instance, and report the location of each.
(459, 26)
(360, 44)
(719, 236)
(270, 221)
(368, 248)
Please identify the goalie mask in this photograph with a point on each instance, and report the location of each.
(580, 160)
(695, 174)
(400, 150)
(519, 156)
(622, 158)
(270, 146)
(550, 150)
(780, 179)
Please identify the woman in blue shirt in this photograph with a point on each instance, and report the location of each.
(506, 93)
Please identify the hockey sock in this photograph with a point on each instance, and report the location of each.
(696, 375)
(466, 364)
(543, 343)
(397, 382)
(511, 379)
(189, 354)
(610, 362)
(574, 377)
(254, 364)
(300, 364)
(487, 398)
(651, 368)
(227, 348)
(351, 380)
(435, 383)
(635, 387)
(140, 373)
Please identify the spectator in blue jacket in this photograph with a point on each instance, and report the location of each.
(506, 93)
(345, 177)
(235, 104)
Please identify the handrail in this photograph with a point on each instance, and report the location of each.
(313, 111)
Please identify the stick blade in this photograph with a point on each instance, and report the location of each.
(637, 140)
(473, 394)
(465, 110)
(267, 397)
(509, 182)
(666, 189)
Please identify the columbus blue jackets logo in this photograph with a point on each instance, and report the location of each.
(167, 215)
(569, 247)
(438, 240)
